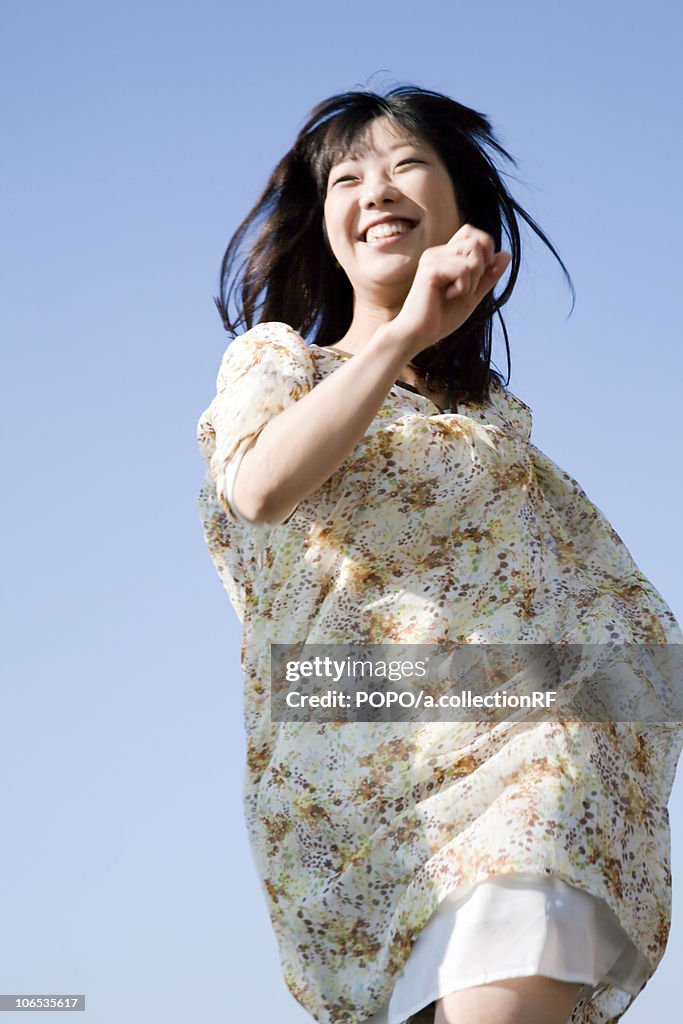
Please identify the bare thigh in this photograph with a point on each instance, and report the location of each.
(534, 1000)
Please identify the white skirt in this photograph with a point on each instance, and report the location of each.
(513, 926)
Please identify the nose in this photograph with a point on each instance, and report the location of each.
(377, 192)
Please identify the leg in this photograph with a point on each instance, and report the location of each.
(424, 1016)
(533, 1000)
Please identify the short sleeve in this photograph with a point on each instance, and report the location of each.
(262, 373)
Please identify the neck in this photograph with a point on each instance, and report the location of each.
(367, 318)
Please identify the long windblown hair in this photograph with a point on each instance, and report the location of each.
(279, 266)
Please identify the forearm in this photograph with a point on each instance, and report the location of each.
(299, 450)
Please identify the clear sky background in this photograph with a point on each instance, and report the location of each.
(135, 137)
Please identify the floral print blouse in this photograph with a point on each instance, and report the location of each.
(438, 527)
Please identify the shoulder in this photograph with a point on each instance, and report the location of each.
(269, 346)
(267, 367)
(516, 413)
(262, 372)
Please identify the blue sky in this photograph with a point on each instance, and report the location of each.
(136, 137)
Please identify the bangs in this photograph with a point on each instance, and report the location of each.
(348, 137)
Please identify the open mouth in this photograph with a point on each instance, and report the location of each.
(389, 231)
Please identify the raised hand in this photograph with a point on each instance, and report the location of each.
(450, 282)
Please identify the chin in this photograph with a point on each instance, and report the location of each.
(391, 294)
(401, 268)
(401, 276)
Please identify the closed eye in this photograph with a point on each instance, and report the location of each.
(408, 160)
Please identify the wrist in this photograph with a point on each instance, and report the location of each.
(390, 337)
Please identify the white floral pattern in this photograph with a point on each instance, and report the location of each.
(437, 527)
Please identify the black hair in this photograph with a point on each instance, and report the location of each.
(289, 273)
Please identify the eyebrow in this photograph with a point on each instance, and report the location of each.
(397, 145)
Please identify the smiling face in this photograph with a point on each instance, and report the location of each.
(402, 183)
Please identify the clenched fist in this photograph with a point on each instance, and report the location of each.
(450, 282)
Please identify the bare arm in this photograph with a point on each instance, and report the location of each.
(299, 449)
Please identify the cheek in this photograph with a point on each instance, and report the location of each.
(338, 232)
(447, 201)
(456, 219)
(455, 214)
(449, 220)
(331, 224)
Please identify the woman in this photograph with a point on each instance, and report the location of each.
(379, 485)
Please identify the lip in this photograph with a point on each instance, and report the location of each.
(386, 220)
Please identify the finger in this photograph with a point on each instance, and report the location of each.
(445, 263)
(442, 266)
(501, 261)
(462, 234)
(477, 259)
(492, 275)
(480, 245)
(472, 251)
(468, 236)
(468, 269)
(484, 281)
(461, 286)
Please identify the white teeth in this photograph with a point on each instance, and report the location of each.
(386, 230)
